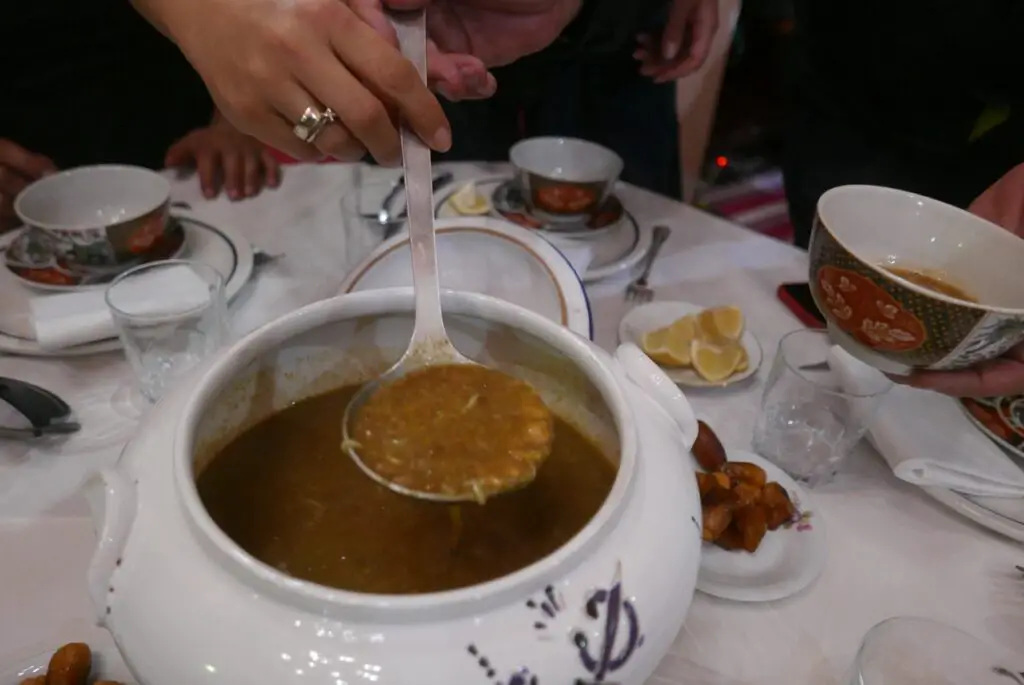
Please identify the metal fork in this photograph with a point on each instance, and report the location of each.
(638, 291)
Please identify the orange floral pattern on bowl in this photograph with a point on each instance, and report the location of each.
(868, 313)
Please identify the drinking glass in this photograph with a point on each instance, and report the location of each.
(809, 422)
(919, 651)
(361, 207)
(170, 316)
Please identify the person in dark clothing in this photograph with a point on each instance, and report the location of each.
(94, 83)
(922, 95)
(594, 83)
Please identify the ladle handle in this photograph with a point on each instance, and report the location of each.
(412, 41)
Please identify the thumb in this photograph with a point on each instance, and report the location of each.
(675, 29)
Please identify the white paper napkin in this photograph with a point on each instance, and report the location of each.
(579, 252)
(80, 317)
(928, 441)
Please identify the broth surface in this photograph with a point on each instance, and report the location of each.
(931, 282)
(286, 493)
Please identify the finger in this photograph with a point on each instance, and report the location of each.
(360, 112)
(291, 100)
(675, 29)
(26, 164)
(232, 173)
(443, 69)
(391, 76)
(180, 154)
(1003, 376)
(334, 140)
(207, 168)
(271, 169)
(11, 182)
(275, 126)
(406, 4)
(371, 12)
(1001, 204)
(252, 172)
(704, 28)
(474, 81)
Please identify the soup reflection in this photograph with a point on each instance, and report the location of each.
(286, 493)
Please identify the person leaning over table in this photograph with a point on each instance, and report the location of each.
(1002, 203)
(100, 85)
(323, 77)
(921, 95)
(609, 77)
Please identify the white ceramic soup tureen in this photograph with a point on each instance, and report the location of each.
(187, 605)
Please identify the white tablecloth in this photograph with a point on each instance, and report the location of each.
(892, 550)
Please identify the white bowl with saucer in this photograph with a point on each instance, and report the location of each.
(564, 179)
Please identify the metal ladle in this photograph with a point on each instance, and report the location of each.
(430, 345)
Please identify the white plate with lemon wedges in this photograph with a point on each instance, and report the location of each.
(699, 347)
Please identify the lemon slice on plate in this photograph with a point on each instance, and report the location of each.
(670, 346)
(715, 362)
(721, 323)
(469, 202)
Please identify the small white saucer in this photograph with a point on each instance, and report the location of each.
(649, 317)
(788, 560)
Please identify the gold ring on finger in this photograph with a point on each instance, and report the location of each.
(312, 123)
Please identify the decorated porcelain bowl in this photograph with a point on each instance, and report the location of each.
(907, 283)
(186, 604)
(98, 218)
(564, 179)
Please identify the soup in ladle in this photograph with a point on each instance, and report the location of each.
(454, 428)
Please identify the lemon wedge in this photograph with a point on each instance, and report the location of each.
(721, 323)
(469, 202)
(670, 346)
(715, 362)
(744, 360)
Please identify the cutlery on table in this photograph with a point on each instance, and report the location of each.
(385, 217)
(262, 258)
(47, 412)
(638, 291)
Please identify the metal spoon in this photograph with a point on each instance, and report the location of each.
(430, 344)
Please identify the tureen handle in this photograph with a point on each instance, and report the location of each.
(112, 501)
(659, 387)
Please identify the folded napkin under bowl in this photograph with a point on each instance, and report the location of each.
(927, 439)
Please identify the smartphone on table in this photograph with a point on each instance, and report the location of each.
(797, 298)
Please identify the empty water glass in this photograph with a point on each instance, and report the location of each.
(919, 651)
(809, 422)
(170, 316)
